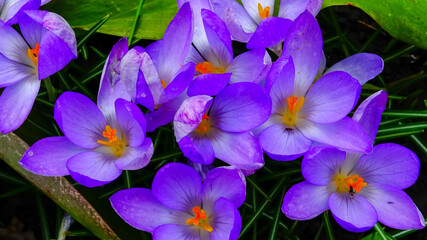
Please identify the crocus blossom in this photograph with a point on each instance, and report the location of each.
(49, 45)
(182, 206)
(358, 189)
(100, 141)
(156, 77)
(303, 112)
(207, 127)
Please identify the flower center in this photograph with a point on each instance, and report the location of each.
(33, 54)
(352, 184)
(204, 125)
(200, 219)
(294, 105)
(263, 12)
(116, 145)
(207, 67)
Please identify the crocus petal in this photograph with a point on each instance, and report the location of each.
(164, 114)
(304, 44)
(270, 31)
(291, 9)
(278, 141)
(197, 149)
(80, 119)
(12, 9)
(362, 66)
(178, 186)
(153, 81)
(391, 164)
(394, 207)
(321, 163)
(224, 182)
(208, 84)
(48, 156)
(135, 158)
(143, 93)
(331, 98)
(189, 115)
(314, 6)
(16, 102)
(354, 214)
(241, 150)
(131, 121)
(180, 82)
(252, 7)
(12, 72)
(175, 44)
(174, 231)
(251, 66)
(345, 134)
(234, 107)
(218, 37)
(13, 46)
(227, 222)
(305, 201)
(140, 209)
(57, 40)
(368, 114)
(110, 88)
(280, 83)
(93, 169)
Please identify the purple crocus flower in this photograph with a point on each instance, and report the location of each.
(156, 77)
(182, 206)
(358, 189)
(215, 66)
(207, 127)
(49, 45)
(303, 112)
(254, 22)
(100, 141)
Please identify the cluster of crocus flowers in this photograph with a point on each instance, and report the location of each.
(183, 206)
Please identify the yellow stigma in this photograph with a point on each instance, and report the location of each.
(33, 54)
(294, 105)
(200, 219)
(116, 145)
(204, 125)
(263, 12)
(207, 67)
(352, 184)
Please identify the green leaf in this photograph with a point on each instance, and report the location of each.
(153, 20)
(404, 20)
(56, 188)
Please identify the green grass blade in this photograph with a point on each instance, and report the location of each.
(93, 30)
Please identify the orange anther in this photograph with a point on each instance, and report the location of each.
(207, 67)
(33, 54)
(163, 83)
(200, 219)
(263, 12)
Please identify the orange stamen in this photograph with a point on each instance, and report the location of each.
(294, 105)
(207, 67)
(33, 54)
(344, 183)
(113, 142)
(163, 83)
(204, 125)
(200, 219)
(263, 12)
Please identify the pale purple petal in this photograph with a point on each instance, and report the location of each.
(271, 31)
(13, 46)
(278, 141)
(209, 84)
(280, 83)
(48, 156)
(93, 169)
(80, 119)
(153, 81)
(180, 82)
(362, 66)
(140, 209)
(291, 9)
(175, 231)
(314, 6)
(12, 9)
(178, 186)
(227, 222)
(368, 114)
(304, 44)
(241, 107)
(251, 66)
(252, 7)
(12, 72)
(241, 150)
(354, 214)
(224, 182)
(164, 114)
(135, 158)
(320, 164)
(305, 201)
(331, 98)
(16, 102)
(131, 121)
(143, 93)
(394, 207)
(197, 148)
(345, 134)
(390, 163)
